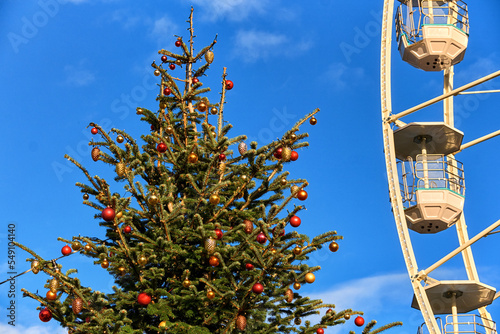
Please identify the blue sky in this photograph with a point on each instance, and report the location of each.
(68, 63)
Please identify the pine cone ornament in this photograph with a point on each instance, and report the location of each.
(241, 322)
(120, 169)
(242, 148)
(77, 305)
(286, 154)
(210, 245)
(54, 285)
(209, 56)
(222, 168)
(248, 226)
(96, 152)
(289, 295)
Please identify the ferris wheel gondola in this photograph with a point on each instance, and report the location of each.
(426, 181)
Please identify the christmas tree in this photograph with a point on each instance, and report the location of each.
(199, 244)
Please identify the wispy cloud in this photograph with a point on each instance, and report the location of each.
(339, 74)
(233, 10)
(163, 29)
(252, 45)
(77, 75)
(18, 329)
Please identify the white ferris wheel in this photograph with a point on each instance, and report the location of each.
(426, 181)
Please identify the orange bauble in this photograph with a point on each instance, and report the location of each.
(192, 158)
(302, 195)
(310, 278)
(51, 295)
(210, 294)
(214, 261)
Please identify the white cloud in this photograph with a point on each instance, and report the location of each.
(480, 67)
(8, 329)
(251, 44)
(78, 75)
(125, 17)
(164, 29)
(339, 74)
(233, 10)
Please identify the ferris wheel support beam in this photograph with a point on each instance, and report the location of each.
(478, 140)
(393, 118)
(423, 273)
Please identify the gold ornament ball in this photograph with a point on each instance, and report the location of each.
(85, 197)
(163, 105)
(119, 215)
(347, 316)
(214, 111)
(192, 158)
(162, 325)
(210, 294)
(35, 267)
(76, 245)
(273, 250)
(310, 278)
(121, 270)
(293, 137)
(138, 111)
(157, 72)
(186, 283)
(214, 199)
(296, 285)
(169, 129)
(297, 321)
(120, 139)
(142, 260)
(244, 177)
(51, 295)
(153, 200)
(202, 106)
(294, 190)
(178, 62)
(313, 121)
(297, 250)
(87, 248)
(334, 246)
(104, 264)
(283, 181)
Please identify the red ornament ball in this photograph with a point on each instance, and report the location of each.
(108, 214)
(222, 157)
(249, 266)
(143, 299)
(195, 80)
(94, 131)
(178, 43)
(277, 153)
(282, 233)
(162, 148)
(45, 315)
(164, 58)
(127, 229)
(302, 195)
(261, 238)
(257, 288)
(229, 85)
(294, 157)
(167, 91)
(359, 321)
(218, 234)
(295, 221)
(320, 331)
(171, 66)
(66, 250)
